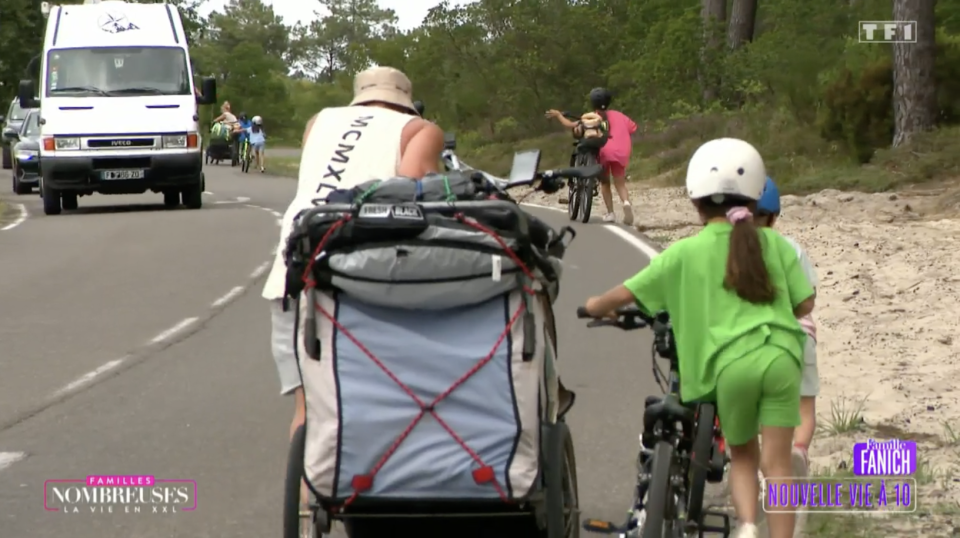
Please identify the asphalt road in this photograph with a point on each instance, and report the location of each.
(135, 342)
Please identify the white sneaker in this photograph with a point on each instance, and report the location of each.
(628, 214)
(610, 217)
(747, 530)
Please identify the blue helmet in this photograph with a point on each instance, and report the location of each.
(769, 202)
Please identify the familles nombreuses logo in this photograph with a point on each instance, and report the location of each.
(120, 494)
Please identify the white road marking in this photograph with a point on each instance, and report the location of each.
(208, 193)
(637, 243)
(276, 214)
(22, 209)
(167, 334)
(9, 458)
(239, 200)
(227, 297)
(634, 241)
(260, 270)
(88, 377)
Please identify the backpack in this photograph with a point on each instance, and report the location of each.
(220, 131)
(593, 129)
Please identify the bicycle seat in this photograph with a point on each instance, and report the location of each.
(582, 172)
(666, 410)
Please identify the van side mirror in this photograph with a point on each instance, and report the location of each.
(11, 135)
(26, 93)
(208, 91)
(449, 141)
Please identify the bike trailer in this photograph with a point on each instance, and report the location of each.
(426, 343)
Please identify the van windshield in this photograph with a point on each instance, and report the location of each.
(109, 71)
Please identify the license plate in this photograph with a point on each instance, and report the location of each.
(122, 174)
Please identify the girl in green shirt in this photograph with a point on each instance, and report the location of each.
(734, 293)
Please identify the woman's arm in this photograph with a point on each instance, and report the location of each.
(566, 123)
(561, 118)
(219, 118)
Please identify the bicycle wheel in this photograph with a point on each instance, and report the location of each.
(573, 195)
(700, 456)
(660, 506)
(587, 187)
(292, 524)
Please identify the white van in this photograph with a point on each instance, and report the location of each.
(118, 105)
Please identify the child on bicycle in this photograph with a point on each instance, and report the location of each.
(733, 293)
(258, 141)
(615, 154)
(768, 211)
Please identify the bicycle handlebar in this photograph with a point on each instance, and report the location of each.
(629, 318)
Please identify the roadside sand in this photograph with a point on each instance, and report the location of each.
(888, 312)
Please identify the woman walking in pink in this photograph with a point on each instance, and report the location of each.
(615, 154)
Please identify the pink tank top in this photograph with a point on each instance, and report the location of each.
(618, 148)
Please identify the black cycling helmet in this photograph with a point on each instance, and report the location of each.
(242, 116)
(600, 98)
(418, 105)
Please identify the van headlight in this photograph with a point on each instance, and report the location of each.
(175, 141)
(64, 144)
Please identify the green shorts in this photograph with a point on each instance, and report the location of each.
(760, 388)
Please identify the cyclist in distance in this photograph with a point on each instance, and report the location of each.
(230, 121)
(258, 141)
(615, 154)
(419, 107)
(733, 293)
(768, 211)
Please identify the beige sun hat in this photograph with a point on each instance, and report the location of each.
(385, 85)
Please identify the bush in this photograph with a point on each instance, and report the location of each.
(858, 110)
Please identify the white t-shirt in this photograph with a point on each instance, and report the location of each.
(346, 147)
(808, 269)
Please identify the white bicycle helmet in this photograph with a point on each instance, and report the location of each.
(726, 166)
(257, 120)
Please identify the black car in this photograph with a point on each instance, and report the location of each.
(11, 123)
(26, 154)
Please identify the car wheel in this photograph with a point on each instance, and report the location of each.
(171, 199)
(69, 201)
(51, 200)
(193, 195)
(18, 187)
(7, 158)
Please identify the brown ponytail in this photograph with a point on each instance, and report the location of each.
(746, 270)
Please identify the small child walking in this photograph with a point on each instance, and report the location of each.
(734, 293)
(768, 211)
